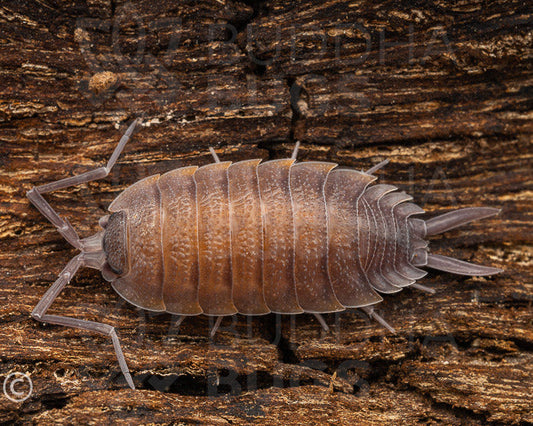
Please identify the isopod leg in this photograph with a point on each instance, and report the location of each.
(214, 154)
(215, 327)
(423, 288)
(377, 167)
(63, 226)
(322, 322)
(178, 322)
(295, 151)
(370, 312)
(39, 313)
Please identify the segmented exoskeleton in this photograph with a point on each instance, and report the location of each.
(254, 237)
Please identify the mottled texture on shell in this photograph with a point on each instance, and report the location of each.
(255, 238)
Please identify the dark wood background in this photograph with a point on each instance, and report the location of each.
(442, 89)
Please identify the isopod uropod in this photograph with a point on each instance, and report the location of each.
(253, 238)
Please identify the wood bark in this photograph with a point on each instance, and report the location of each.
(442, 89)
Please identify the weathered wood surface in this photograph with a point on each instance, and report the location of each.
(442, 89)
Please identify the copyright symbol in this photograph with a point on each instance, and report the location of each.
(18, 387)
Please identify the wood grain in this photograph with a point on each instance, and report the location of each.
(442, 89)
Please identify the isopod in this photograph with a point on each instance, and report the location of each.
(253, 237)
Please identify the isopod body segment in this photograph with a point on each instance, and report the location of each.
(254, 238)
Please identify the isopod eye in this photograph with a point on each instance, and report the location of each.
(114, 243)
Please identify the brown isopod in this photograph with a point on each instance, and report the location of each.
(253, 238)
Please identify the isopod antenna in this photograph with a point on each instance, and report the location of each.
(446, 222)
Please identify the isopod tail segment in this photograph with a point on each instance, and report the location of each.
(92, 254)
(446, 222)
(422, 258)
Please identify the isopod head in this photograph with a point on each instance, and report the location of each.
(115, 246)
